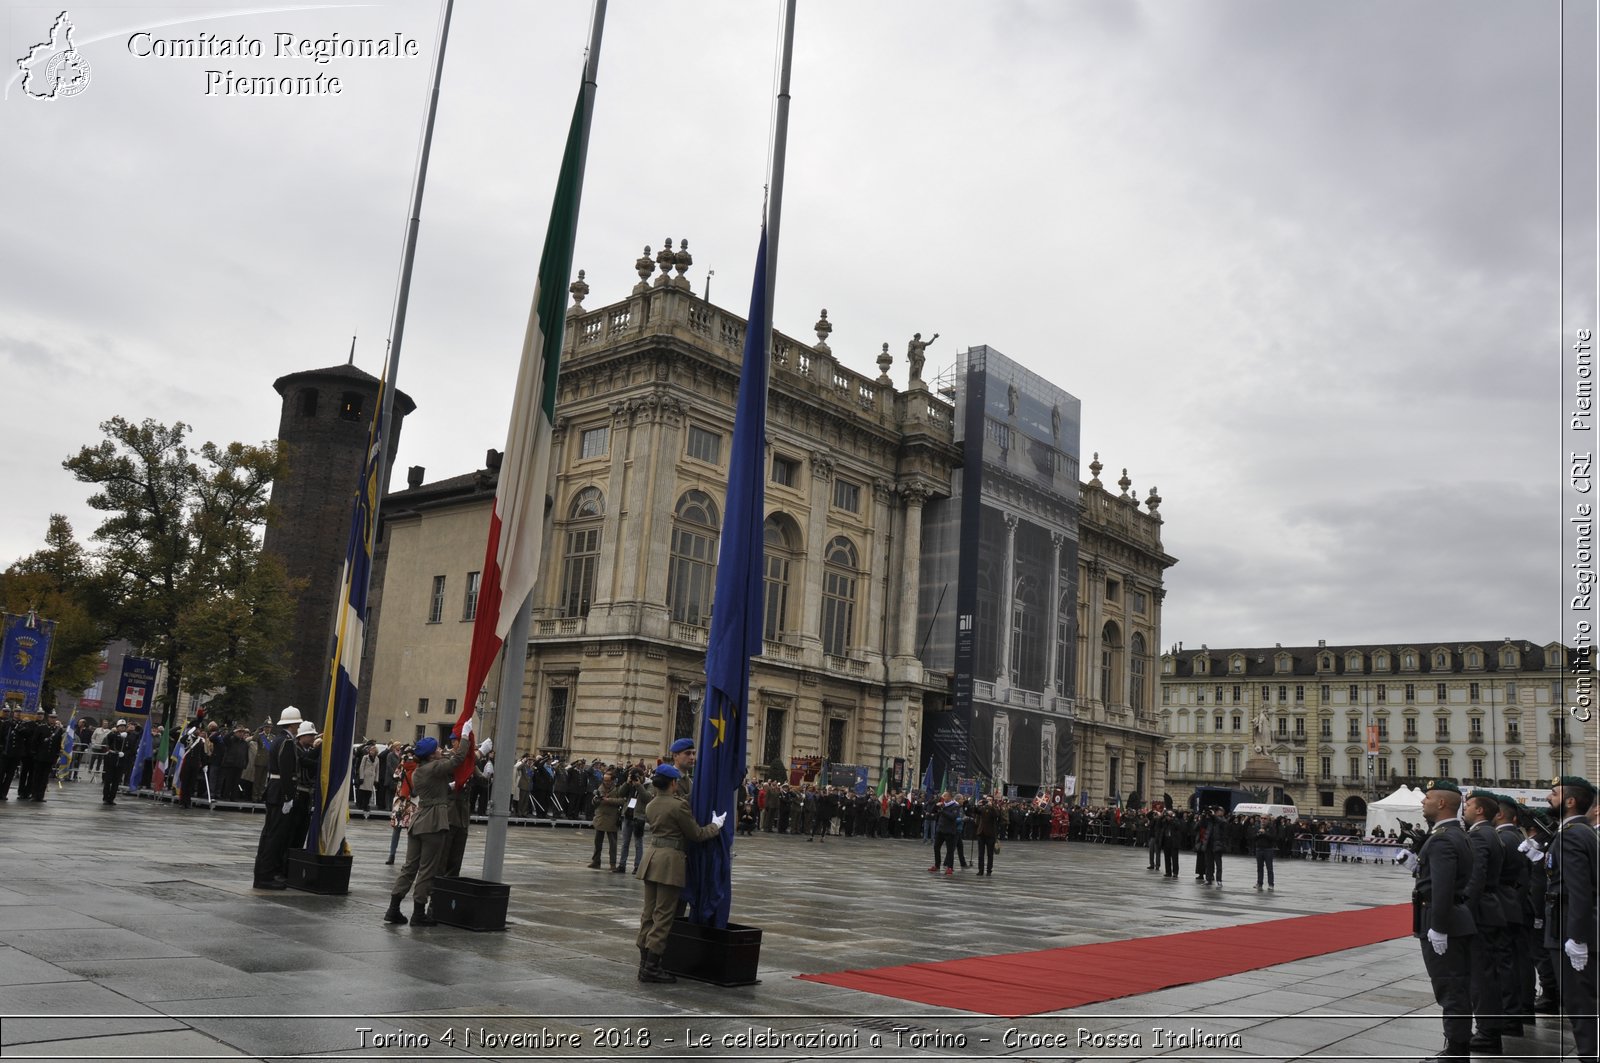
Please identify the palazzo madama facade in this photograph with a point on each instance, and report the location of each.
(615, 663)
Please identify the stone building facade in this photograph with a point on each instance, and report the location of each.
(615, 664)
(1348, 724)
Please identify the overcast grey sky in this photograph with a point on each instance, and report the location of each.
(1298, 260)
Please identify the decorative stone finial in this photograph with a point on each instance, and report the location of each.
(824, 328)
(665, 258)
(1153, 502)
(579, 288)
(885, 360)
(646, 266)
(682, 261)
(1124, 482)
(1094, 471)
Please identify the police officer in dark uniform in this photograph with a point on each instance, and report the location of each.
(1440, 916)
(1572, 866)
(119, 745)
(1515, 968)
(1483, 898)
(283, 784)
(11, 746)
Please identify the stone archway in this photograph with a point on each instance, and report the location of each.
(1355, 807)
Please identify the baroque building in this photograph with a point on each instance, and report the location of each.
(1350, 724)
(615, 662)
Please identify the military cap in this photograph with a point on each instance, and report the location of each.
(667, 771)
(1574, 782)
(681, 745)
(1447, 785)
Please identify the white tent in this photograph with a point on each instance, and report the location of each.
(1405, 803)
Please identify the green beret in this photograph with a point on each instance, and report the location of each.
(1448, 785)
(1576, 782)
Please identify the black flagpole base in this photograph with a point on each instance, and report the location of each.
(470, 903)
(724, 956)
(313, 873)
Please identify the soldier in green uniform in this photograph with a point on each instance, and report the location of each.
(683, 757)
(665, 867)
(430, 829)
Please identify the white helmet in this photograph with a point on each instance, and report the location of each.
(306, 728)
(291, 715)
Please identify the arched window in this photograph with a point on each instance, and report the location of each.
(781, 548)
(691, 572)
(1064, 610)
(1136, 669)
(1110, 663)
(839, 578)
(1027, 635)
(582, 556)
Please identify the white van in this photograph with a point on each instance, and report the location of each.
(1249, 809)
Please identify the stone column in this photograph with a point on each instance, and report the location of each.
(1008, 598)
(611, 545)
(915, 495)
(878, 567)
(816, 532)
(1096, 571)
(1053, 613)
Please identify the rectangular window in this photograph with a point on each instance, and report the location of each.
(1440, 693)
(1219, 695)
(1283, 693)
(1383, 728)
(1477, 767)
(1327, 728)
(1513, 731)
(1218, 722)
(1411, 692)
(1383, 767)
(1355, 694)
(1283, 727)
(1236, 695)
(1383, 692)
(705, 446)
(1234, 761)
(1327, 767)
(847, 496)
(1299, 726)
(555, 731)
(1355, 730)
(422, 730)
(388, 726)
(1442, 729)
(1411, 766)
(450, 708)
(1355, 767)
(1511, 693)
(1300, 692)
(1411, 727)
(1475, 729)
(436, 602)
(1141, 602)
(594, 442)
(469, 607)
(422, 706)
(1515, 768)
(1444, 767)
(1299, 767)
(1113, 590)
(785, 471)
(1325, 693)
(1238, 722)
(1472, 691)
(772, 737)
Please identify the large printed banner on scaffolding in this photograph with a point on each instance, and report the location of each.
(137, 687)
(24, 649)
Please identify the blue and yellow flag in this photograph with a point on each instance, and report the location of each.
(735, 623)
(330, 812)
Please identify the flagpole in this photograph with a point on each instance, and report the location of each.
(780, 143)
(513, 652)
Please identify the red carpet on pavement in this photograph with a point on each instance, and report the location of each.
(1029, 983)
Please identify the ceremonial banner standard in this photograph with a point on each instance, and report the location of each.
(736, 621)
(23, 652)
(136, 688)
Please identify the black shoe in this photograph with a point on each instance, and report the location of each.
(1453, 1052)
(1486, 1044)
(420, 916)
(652, 971)
(394, 914)
(1547, 1005)
(390, 860)
(270, 884)
(619, 870)
(1511, 1029)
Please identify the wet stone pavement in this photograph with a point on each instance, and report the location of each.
(132, 932)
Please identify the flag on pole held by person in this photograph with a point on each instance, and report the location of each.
(330, 811)
(143, 755)
(736, 623)
(516, 525)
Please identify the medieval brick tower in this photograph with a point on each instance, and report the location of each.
(323, 433)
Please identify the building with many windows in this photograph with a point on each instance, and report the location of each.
(615, 663)
(1349, 724)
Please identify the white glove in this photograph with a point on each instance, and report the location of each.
(1577, 954)
(466, 729)
(1407, 859)
(719, 818)
(1526, 842)
(1534, 853)
(1440, 942)
(486, 747)
(288, 805)
(1538, 924)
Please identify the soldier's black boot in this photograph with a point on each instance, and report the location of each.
(1454, 1052)
(652, 971)
(1487, 1044)
(420, 916)
(394, 914)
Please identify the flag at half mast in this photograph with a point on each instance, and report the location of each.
(516, 527)
(331, 811)
(736, 628)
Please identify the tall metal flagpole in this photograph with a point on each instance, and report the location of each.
(397, 328)
(513, 652)
(780, 142)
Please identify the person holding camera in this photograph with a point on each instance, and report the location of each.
(988, 821)
(635, 796)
